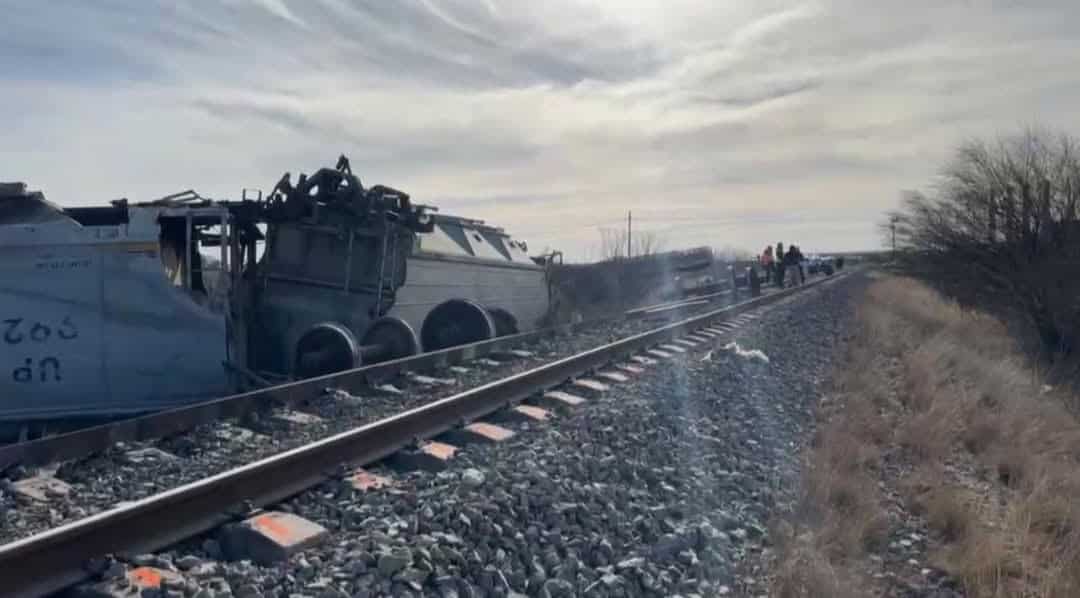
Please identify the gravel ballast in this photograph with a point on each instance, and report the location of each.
(106, 480)
(661, 487)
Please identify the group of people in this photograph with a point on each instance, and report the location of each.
(781, 265)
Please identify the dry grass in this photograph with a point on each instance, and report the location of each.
(840, 517)
(986, 564)
(842, 499)
(951, 513)
(918, 484)
(941, 386)
(805, 572)
(929, 435)
(982, 432)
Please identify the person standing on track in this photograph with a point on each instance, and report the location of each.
(799, 260)
(767, 263)
(779, 265)
(791, 265)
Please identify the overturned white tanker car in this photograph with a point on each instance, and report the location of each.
(115, 310)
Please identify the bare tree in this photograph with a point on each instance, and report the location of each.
(646, 243)
(612, 243)
(642, 243)
(1000, 229)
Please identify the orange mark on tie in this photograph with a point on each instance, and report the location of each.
(365, 480)
(269, 525)
(146, 577)
(439, 450)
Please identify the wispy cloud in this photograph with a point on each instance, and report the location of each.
(722, 122)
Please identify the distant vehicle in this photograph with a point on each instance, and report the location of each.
(694, 273)
(690, 285)
(818, 264)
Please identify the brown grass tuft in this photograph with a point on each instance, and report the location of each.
(1050, 509)
(982, 432)
(803, 571)
(917, 486)
(950, 512)
(945, 390)
(1012, 464)
(845, 504)
(986, 565)
(928, 435)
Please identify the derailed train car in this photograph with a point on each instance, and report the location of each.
(353, 275)
(129, 308)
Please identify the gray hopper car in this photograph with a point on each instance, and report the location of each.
(128, 308)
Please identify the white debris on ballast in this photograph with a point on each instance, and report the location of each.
(746, 354)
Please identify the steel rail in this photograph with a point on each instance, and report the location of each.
(56, 559)
(99, 438)
(642, 311)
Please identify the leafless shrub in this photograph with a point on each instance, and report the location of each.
(1000, 230)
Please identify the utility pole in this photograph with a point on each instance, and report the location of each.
(628, 213)
(892, 225)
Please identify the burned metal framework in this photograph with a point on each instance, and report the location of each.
(335, 257)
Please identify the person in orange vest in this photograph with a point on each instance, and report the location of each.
(767, 263)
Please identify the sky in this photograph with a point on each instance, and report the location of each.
(715, 122)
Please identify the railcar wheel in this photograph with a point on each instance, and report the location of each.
(505, 322)
(325, 349)
(456, 322)
(389, 338)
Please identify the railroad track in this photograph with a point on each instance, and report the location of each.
(100, 467)
(58, 558)
(99, 438)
